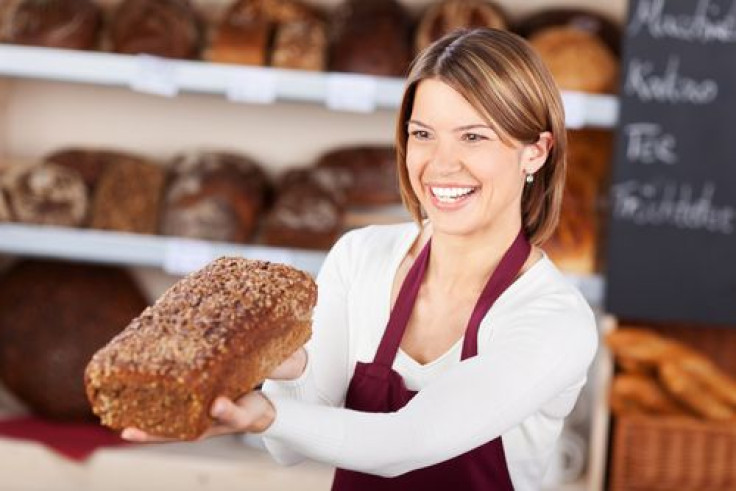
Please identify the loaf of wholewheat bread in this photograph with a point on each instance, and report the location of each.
(219, 331)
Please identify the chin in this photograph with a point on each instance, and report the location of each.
(453, 226)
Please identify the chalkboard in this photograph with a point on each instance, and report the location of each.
(671, 240)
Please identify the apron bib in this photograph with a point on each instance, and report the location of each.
(377, 388)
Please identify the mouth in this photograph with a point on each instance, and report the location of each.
(452, 194)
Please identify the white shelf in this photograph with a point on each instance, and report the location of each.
(246, 84)
(173, 255)
(186, 76)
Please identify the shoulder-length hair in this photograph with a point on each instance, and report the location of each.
(501, 76)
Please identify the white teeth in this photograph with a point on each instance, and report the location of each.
(449, 195)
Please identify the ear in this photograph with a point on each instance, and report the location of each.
(534, 155)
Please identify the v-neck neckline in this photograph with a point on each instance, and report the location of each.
(404, 248)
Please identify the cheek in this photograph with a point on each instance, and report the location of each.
(414, 162)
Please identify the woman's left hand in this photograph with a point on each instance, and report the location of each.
(252, 413)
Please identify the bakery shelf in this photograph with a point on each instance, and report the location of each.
(352, 92)
(173, 255)
(167, 77)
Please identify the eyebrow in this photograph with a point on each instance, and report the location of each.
(459, 128)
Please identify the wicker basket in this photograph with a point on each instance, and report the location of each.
(676, 453)
(672, 454)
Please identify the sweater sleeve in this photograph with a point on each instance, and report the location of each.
(545, 351)
(326, 376)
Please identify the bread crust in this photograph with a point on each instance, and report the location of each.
(219, 331)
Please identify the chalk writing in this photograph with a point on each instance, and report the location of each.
(708, 23)
(668, 87)
(668, 203)
(647, 144)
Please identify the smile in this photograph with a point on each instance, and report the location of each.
(451, 194)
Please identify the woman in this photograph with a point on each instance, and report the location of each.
(455, 345)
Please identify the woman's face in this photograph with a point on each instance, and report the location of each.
(466, 179)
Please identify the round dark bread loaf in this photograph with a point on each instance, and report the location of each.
(444, 17)
(128, 194)
(365, 173)
(215, 196)
(371, 37)
(308, 212)
(168, 28)
(53, 317)
(577, 59)
(46, 194)
(581, 19)
(90, 163)
(72, 24)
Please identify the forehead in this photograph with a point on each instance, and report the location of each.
(436, 103)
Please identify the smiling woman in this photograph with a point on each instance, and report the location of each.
(446, 352)
(464, 176)
(487, 89)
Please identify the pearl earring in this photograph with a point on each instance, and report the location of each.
(529, 178)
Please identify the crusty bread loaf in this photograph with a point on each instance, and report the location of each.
(71, 24)
(293, 33)
(577, 59)
(576, 245)
(46, 194)
(53, 317)
(128, 195)
(168, 28)
(219, 331)
(307, 213)
(449, 15)
(90, 163)
(371, 37)
(582, 19)
(365, 173)
(214, 196)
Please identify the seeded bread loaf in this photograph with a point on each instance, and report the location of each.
(219, 331)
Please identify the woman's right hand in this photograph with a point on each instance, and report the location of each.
(251, 413)
(291, 368)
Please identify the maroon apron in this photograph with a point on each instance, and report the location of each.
(377, 388)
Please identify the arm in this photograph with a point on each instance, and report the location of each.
(525, 366)
(325, 378)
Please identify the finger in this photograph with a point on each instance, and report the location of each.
(218, 429)
(227, 413)
(292, 367)
(140, 436)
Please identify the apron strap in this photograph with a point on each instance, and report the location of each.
(504, 275)
(401, 313)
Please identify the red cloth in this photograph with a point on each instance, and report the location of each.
(76, 441)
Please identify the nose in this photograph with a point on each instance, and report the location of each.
(445, 159)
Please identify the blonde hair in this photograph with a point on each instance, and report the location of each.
(500, 75)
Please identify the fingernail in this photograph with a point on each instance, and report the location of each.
(126, 434)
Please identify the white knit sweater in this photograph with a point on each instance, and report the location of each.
(534, 349)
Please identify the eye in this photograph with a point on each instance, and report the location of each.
(420, 134)
(473, 137)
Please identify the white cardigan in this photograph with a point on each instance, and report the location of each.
(534, 349)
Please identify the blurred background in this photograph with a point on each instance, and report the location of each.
(140, 139)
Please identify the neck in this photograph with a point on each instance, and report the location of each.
(463, 263)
